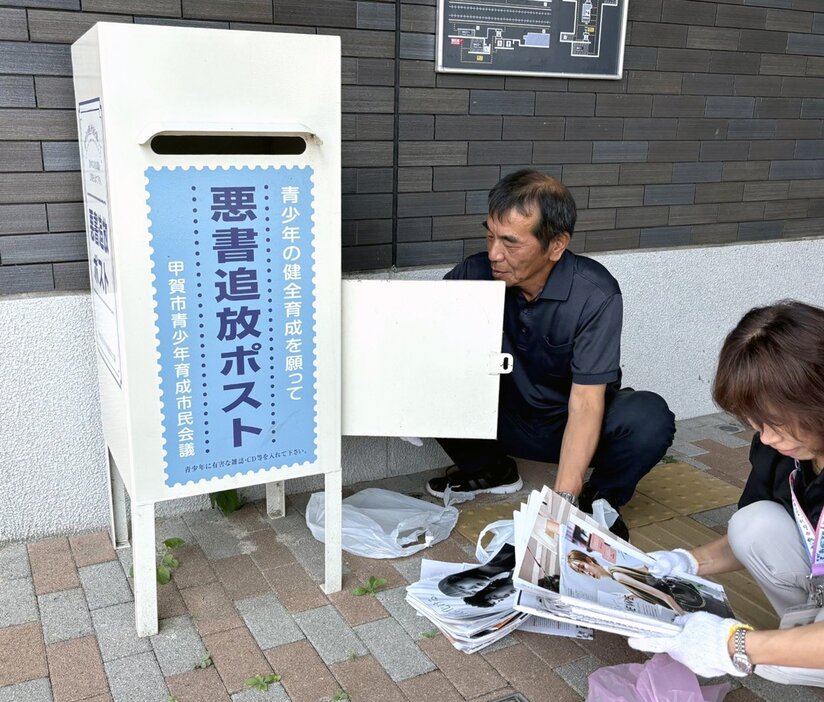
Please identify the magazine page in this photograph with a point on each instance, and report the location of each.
(493, 632)
(521, 526)
(601, 569)
(478, 591)
(472, 645)
(518, 519)
(551, 627)
(440, 569)
(538, 541)
(559, 609)
(462, 626)
(538, 563)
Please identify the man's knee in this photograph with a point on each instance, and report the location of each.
(638, 429)
(644, 418)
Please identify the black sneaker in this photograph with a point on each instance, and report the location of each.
(588, 495)
(500, 481)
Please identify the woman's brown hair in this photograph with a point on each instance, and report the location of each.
(771, 369)
(576, 558)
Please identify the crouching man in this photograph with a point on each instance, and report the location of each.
(563, 402)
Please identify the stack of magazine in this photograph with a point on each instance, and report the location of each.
(565, 575)
(474, 605)
(570, 569)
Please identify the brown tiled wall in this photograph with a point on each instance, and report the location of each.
(714, 134)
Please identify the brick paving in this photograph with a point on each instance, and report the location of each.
(246, 599)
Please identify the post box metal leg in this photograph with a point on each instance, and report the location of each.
(143, 561)
(118, 526)
(332, 505)
(276, 499)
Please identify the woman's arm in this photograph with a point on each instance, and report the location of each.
(801, 647)
(716, 557)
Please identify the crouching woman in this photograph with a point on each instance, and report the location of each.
(770, 375)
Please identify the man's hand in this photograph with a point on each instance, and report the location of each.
(583, 429)
(702, 645)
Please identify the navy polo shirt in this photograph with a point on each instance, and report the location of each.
(571, 332)
(770, 480)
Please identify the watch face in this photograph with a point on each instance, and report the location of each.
(742, 663)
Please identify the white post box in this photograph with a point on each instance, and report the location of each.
(211, 169)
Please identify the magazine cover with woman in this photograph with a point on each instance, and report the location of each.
(598, 568)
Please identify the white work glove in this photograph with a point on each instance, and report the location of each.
(701, 645)
(673, 562)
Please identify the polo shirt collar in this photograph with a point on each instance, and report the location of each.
(559, 283)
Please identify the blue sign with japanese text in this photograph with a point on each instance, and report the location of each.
(233, 253)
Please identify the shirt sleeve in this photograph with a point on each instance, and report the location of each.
(596, 353)
(762, 476)
(457, 273)
(472, 268)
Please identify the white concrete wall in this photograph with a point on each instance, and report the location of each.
(679, 304)
(51, 449)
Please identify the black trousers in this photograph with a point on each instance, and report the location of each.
(637, 430)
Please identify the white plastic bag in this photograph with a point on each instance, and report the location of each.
(604, 513)
(503, 532)
(455, 497)
(380, 523)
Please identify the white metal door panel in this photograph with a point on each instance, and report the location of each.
(422, 358)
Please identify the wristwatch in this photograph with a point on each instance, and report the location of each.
(740, 660)
(569, 497)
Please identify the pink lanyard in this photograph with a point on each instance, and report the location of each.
(813, 541)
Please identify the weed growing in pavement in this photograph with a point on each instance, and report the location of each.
(372, 586)
(669, 459)
(227, 501)
(167, 561)
(431, 634)
(340, 694)
(205, 662)
(262, 682)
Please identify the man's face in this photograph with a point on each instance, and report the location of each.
(516, 254)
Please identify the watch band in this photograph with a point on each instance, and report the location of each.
(569, 497)
(740, 660)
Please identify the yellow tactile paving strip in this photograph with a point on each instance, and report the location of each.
(474, 517)
(686, 490)
(641, 510)
(657, 516)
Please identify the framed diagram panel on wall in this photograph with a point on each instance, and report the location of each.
(562, 38)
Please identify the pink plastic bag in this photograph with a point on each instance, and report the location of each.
(660, 679)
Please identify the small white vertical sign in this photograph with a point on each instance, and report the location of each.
(98, 233)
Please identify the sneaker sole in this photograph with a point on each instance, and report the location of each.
(498, 490)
